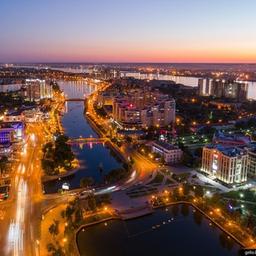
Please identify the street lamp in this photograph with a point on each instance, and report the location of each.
(241, 195)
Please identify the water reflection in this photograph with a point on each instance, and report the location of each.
(95, 159)
(198, 218)
(185, 210)
(162, 233)
(76, 89)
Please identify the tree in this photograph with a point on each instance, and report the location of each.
(199, 191)
(51, 247)
(78, 216)
(54, 228)
(57, 155)
(186, 189)
(55, 86)
(3, 164)
(55, 250)
(48, 148)
(48, 166)
(69, 211)
(116, 175)
(86, 182)
(92, 202)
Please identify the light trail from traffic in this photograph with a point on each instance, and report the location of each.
(15, 236)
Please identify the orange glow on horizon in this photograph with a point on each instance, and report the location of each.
(125, 53)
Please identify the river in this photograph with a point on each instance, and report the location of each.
(92, 157)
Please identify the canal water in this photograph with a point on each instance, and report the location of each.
(95, 160)
(175, 231)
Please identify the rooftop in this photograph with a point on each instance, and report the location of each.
(228, 151)
(164, 145)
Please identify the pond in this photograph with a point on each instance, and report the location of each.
(176, 230)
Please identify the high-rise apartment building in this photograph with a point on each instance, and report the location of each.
(151, 109)
(201, 87)
(219, 88)
(36, 89)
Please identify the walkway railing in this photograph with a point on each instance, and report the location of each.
(87, 140)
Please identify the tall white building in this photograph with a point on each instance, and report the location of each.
(201, 87)
(36, 89)
(227, 164)
(220, 88)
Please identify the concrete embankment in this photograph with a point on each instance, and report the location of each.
(59, 176)
(113, 147)
(135, 212)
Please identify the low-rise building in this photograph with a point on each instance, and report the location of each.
(227, 164)
(5, 149)
(14, 117)
(171, 154)
(6, 135)
(16, 129)
(33, 115)
(231, 139)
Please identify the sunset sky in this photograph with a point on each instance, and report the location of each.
(127, 31)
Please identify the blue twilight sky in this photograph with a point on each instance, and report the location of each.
(128, 30)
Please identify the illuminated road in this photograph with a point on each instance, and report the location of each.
(23, 211)
(20, 216)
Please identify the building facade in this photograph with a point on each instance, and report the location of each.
(171, 154)
(36, 89)
(252, 162)
(227, 164)
(144, 111)
(220, 88)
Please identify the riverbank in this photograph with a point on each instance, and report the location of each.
(46, 178)
(54, 126)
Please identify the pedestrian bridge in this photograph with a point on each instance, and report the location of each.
(87, 140)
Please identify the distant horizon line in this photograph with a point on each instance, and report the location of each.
(126, 62)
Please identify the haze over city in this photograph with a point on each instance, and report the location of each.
(128, 31)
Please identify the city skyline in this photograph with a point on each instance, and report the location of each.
(118, 31)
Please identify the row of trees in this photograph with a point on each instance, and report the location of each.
(11, 100)
(116, 175)
(3, 164)
(57, 156)
(55, 86)
(245, 124)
